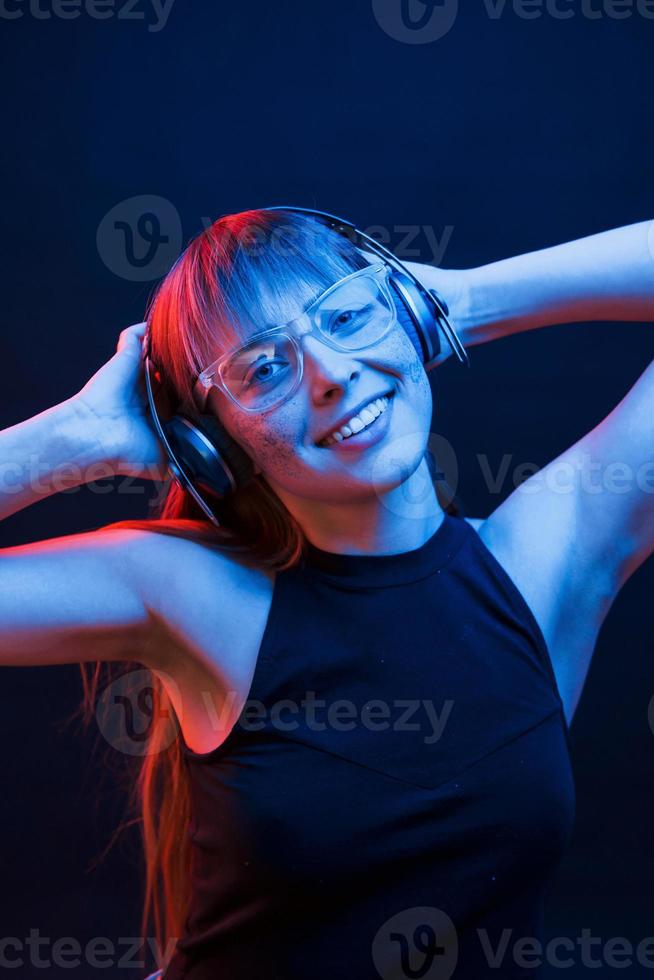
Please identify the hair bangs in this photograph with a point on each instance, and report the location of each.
(275, 278)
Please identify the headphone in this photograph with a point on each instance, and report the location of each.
(202, 456)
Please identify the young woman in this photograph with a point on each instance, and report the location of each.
(372, 776)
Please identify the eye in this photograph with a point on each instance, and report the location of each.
(350, 319)
(344, 316)
(261, 372)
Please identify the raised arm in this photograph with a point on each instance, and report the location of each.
(574, 532)
(89, 596)
(606, 276)
(80, 598)
(51, 452)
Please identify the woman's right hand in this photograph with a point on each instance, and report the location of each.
(114, 404)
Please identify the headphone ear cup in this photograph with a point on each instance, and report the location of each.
(417, 318)
(232, 454)
(210, 459)
(406, 321)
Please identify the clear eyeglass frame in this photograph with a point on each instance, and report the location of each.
(211, 376)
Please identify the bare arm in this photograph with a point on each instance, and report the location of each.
(80, 598)
(47, 454)
(88, 596)
(606, 276)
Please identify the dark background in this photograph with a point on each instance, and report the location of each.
(514, 133)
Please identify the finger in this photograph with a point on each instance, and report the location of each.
(141, 329)
(132, 337)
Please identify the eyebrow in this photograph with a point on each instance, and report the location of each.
(281, 327)
(259, 334)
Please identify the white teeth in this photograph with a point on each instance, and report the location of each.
(358, 422)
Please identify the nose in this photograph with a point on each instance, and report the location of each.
(328, 371)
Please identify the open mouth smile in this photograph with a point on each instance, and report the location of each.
(363, 429)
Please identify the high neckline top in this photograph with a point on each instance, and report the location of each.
(368, 571)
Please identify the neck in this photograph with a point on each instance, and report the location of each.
(402, 519)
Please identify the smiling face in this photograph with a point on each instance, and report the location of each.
(257, 272)
(283, 442)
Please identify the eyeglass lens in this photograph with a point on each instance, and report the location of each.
(353, 316)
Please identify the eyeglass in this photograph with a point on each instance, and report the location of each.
(352, 314)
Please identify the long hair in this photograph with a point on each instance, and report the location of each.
(244, 271)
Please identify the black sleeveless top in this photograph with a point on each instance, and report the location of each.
(397, 792)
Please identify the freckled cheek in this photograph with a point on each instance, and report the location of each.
(416, 374)
(272, 444)
(398, 351)
(404, 358)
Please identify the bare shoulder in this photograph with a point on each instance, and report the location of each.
(214, 609)
(208, 599)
